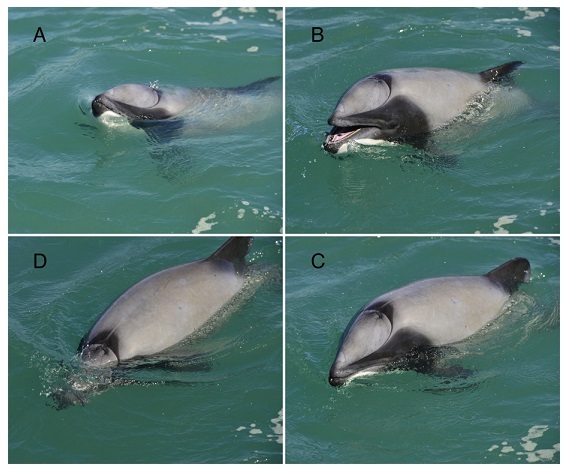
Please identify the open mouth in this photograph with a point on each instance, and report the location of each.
(339, 134)
(339, 137)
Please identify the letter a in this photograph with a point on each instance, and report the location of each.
(39, 34)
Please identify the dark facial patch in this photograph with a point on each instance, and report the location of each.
(401, 344)
(103, 103)
(397, 120)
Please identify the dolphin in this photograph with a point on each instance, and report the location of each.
(405, 105)
(175, 111)
(163, 309)
(428, 313)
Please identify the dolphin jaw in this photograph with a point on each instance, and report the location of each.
(339, 139)
(343, 371)
(341, 377)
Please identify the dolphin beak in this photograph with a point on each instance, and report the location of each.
(98, 106)
(336, 378)
(336, 381)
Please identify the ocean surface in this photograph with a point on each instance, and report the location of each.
(252, 387)
(494, 172)
(71, 173)
(506, 411)
(225, 407)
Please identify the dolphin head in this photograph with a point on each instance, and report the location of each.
(132, 101)
(352, 118)
(361, 346)
(98, 356)
(371, 111)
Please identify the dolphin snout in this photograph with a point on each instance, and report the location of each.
(98, 106)
(336, 377)
(336, 381)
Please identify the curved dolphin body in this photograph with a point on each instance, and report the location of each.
(189, 111)
(406, 104)
(427, 313)
(163, 309)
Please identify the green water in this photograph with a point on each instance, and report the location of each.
(407, 417)
(494, 172)
(73, 174)
(230, 412)
(500, 176)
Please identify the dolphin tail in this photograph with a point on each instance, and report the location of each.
(511, 274)
(256, 86)
(235, 251)
(497, 73)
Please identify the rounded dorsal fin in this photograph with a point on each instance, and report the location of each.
(511, 274)
(497, 73)
(234, 250)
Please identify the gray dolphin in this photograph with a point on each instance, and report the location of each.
(163, 309)
(427, 313)
(406, 104)
(188, 111)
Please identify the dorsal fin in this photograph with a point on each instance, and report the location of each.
(258, 86)
(234, 250)
(497, 73)
(511, 274)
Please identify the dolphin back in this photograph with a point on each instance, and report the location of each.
(234, 250)
(511, 274)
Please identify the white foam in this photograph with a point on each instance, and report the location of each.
(523, 32)
(225, 20)
(277, 429)
(278, 14)
(204, 224)
(219, 12)
(502, 221)
(219, 37)
(529, 446)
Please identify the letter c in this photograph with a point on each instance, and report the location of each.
(313, 261)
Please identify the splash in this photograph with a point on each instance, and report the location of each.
(204, 224)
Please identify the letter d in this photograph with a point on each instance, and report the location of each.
(39, 260)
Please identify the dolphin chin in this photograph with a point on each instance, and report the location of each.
(403, 328)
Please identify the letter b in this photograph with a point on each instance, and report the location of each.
(316, 34)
